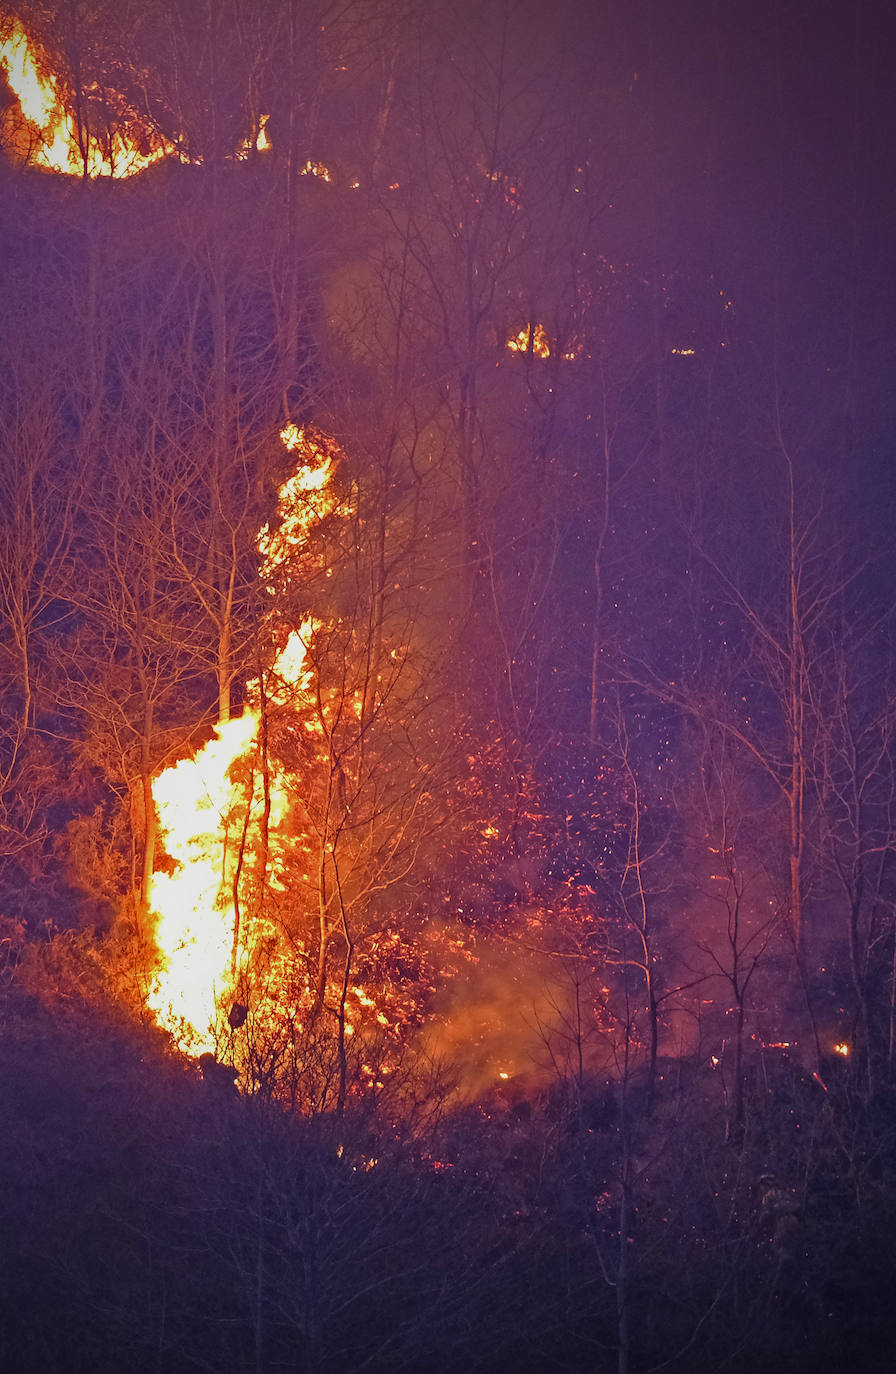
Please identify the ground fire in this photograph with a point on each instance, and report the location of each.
(211, 806)
(44, 131)
(447, 687)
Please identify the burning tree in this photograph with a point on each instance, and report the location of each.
(78, 107)
(320, 799)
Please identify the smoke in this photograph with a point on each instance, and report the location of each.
(509, 1016)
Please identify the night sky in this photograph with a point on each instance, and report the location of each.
(773, 129)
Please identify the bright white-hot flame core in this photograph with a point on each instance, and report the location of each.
(195, 800)
(290, 673)
(37, 95)
(39, 101)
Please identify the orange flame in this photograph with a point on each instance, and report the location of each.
(531, 339)
(316, 169)
(208, 816)
(51, 139)
(534, 339)
(195, 800)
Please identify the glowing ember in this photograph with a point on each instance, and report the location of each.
(842, 1048)
(316, 169)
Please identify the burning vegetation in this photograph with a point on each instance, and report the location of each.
(93, 131)
(224, 813)
(418, 815)
(371, 830)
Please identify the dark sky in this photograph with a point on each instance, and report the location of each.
(772, 167)
(774, 124)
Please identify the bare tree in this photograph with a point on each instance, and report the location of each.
(853, 772)
(738, 888)
(38, 501)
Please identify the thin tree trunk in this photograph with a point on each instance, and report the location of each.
(150, 835)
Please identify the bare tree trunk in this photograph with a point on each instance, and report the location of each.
(736, 1114)
(796, 710)
(599, 546)
(623, 1334)
(150, 835)
(347, 965)
(221, 567)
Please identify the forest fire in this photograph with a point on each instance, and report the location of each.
(194, 932)
(531, 339)
(447, 688)
(38, 99)
(50, 137)
(534, 339)
(211, 807)
(316, 169)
